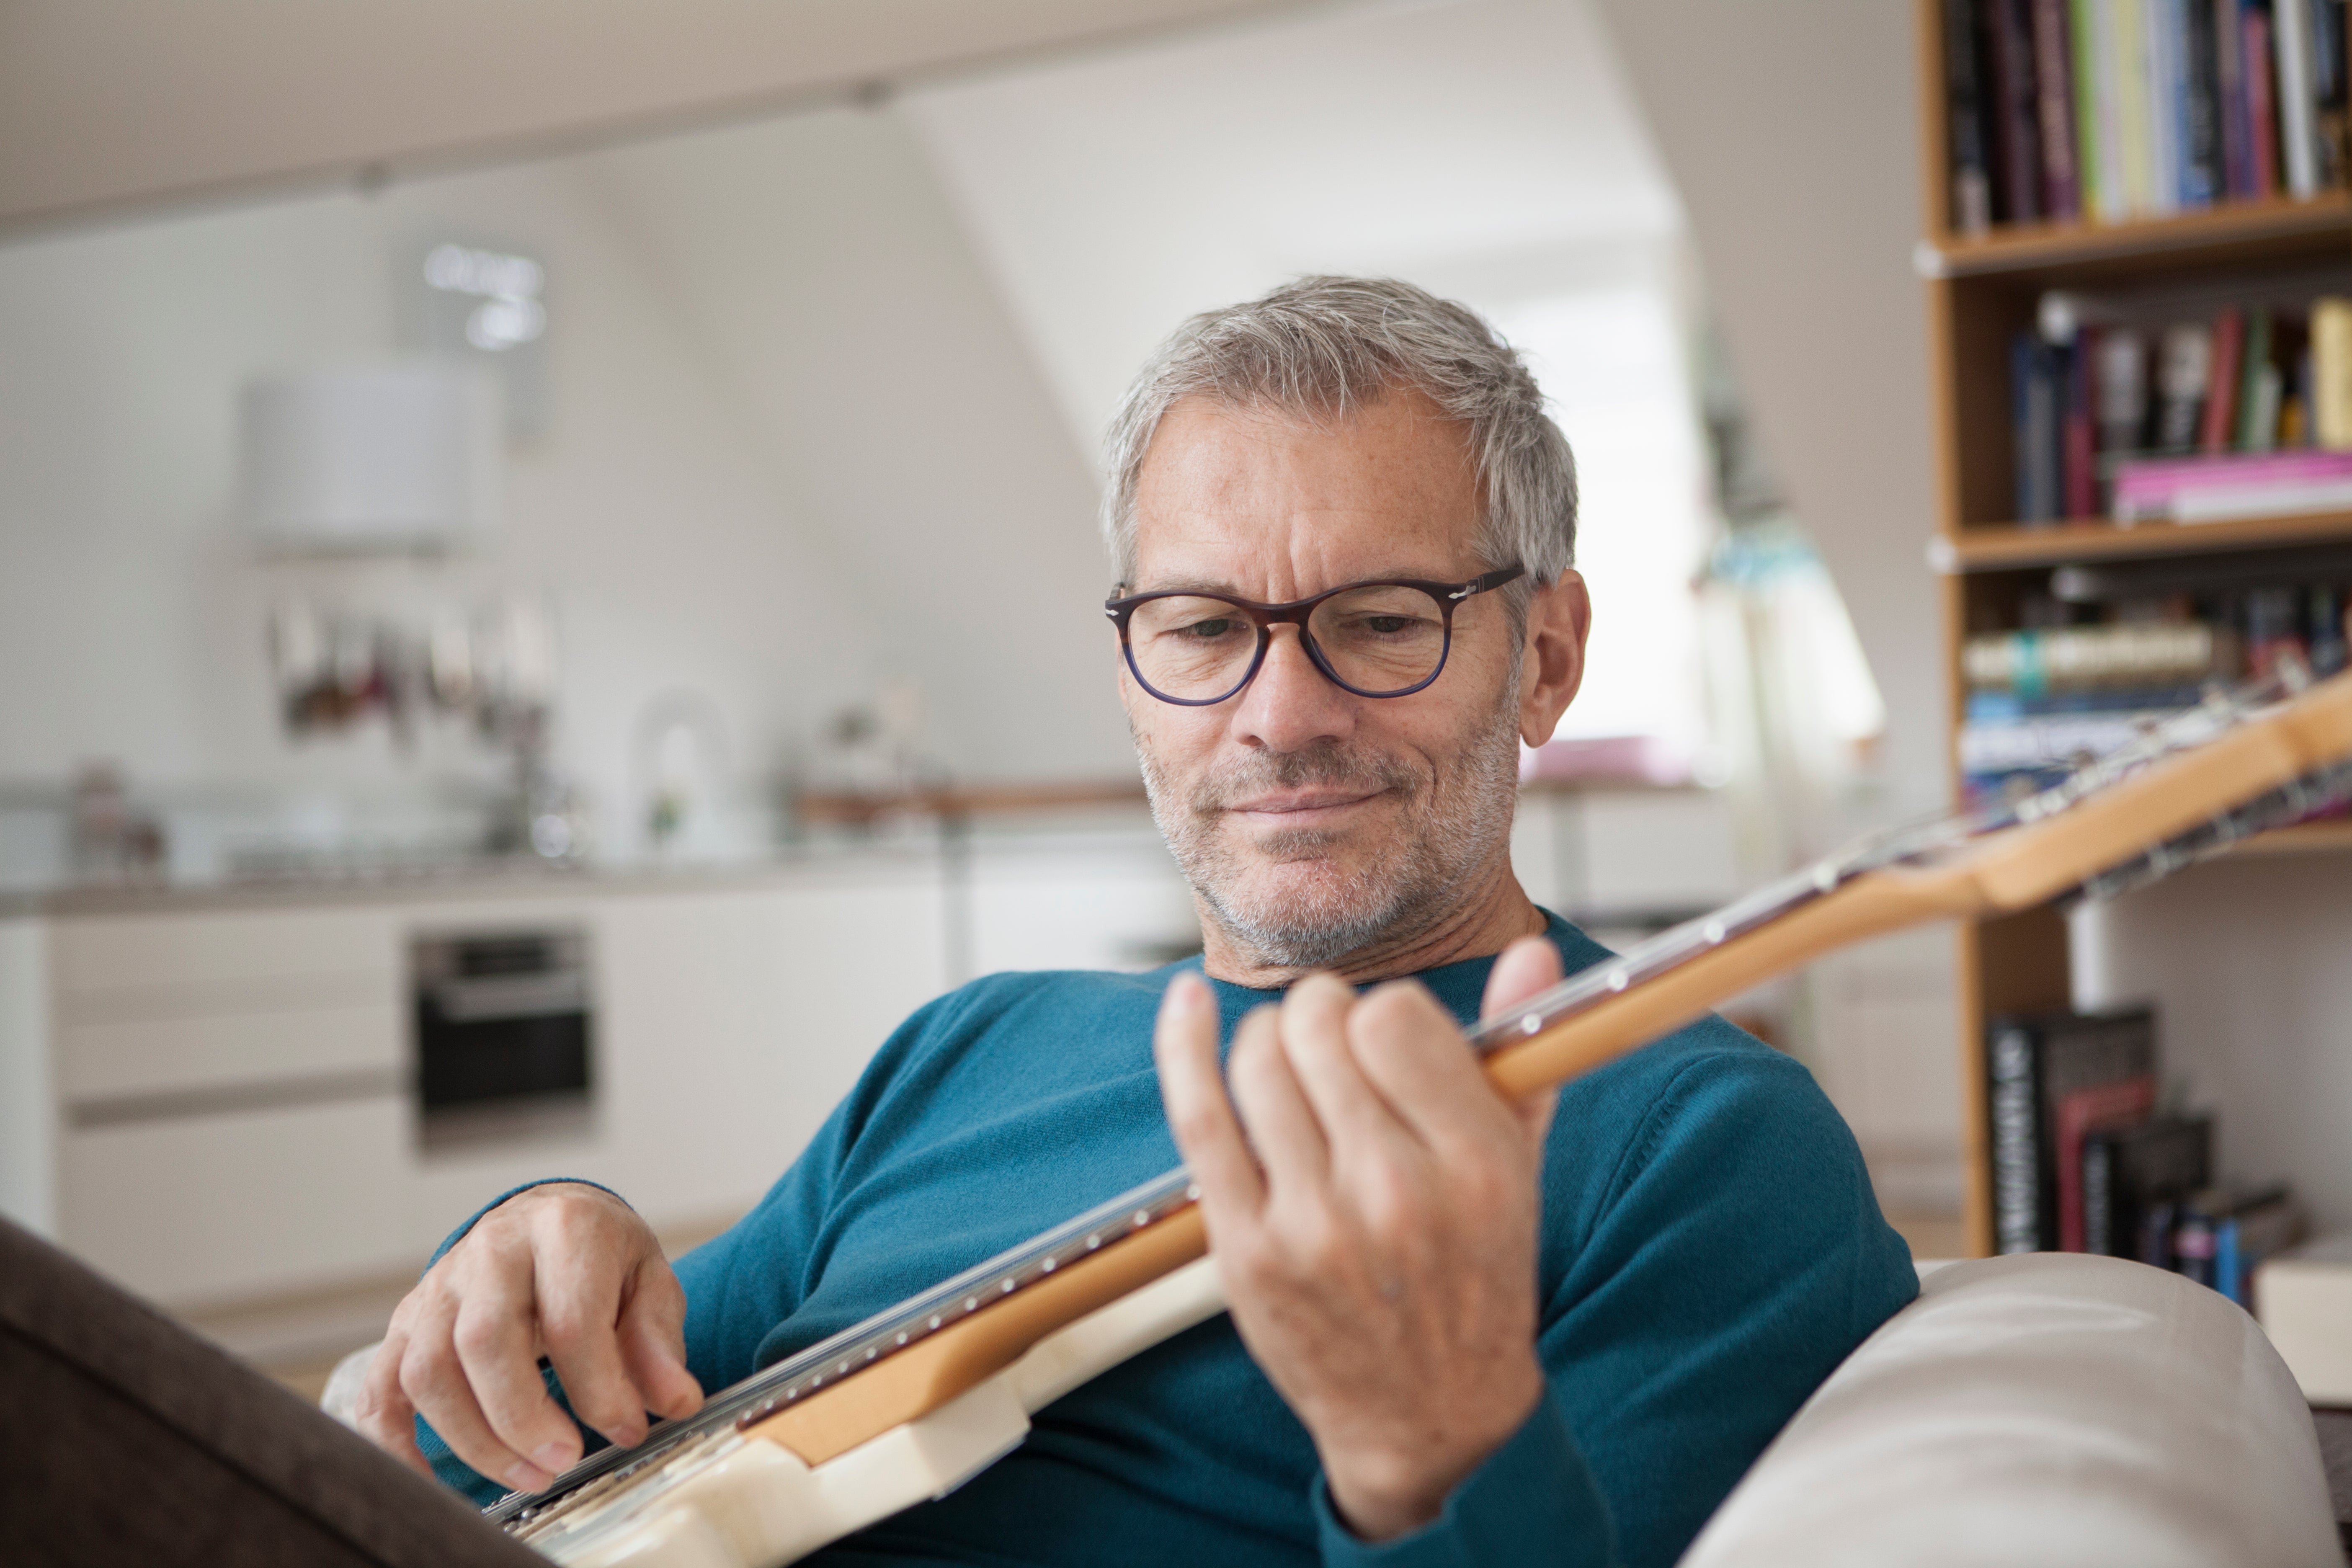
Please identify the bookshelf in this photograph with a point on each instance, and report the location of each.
(1983, 289)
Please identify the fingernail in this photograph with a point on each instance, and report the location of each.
(554, 1456)
(628, 1436)
(527, 1477)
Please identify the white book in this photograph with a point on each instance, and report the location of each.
(2298, 132)
(2098, 35)
(2162, 23)
(2302, 1298)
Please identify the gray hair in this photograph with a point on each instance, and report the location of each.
(1321, 346)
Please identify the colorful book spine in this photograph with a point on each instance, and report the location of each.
(1964, 106)
(2232, 485)
(2229, 95)
(2053, 83)
(2017, 152)
(2262, 118)
(2122, 654)
(2298, 131)
(2221, 404)
(2331, 373)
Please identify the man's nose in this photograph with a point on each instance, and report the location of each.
(1291, 705)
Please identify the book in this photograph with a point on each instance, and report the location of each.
(2331, 372)
(2329, 89)
(2298, 130)
(2017, 151)
(2164, 48)
(2054, 84)
(2224, 1236)
(2078, 1113)
(2121, 654)
(2261, 113)
(2035, 1064)
(2134, 112)
(2120, 375)
(1989, 747)
(2302, 1297)
(2230, 99)
(2098, 105)
(2201, 118)
(2132, 1174)
(2036, 395)
(1964, 106)
(2007, 706)
(2183, 371)
(2254, 434)
(2079, 434)
(2221, 399)
(2218, 487)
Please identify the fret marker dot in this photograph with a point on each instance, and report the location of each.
(1008, 1286)
(1619, 980)
(1713, 931)
(1093, 1242)
(1531, 1024)
(871, 1352)
(1193, 1191)
(1143, 1218)
(845, 1366)
(902, 1339)
(1049, 1266)
(972, 1304)
(935, 1322)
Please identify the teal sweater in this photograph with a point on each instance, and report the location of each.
(1711, 1249)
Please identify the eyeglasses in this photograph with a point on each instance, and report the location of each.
(1388, 638)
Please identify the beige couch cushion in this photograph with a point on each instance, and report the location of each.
(2050, 1408)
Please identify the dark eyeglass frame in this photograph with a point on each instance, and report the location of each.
(1266, 617)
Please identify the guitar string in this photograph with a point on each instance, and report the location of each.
(908, 1323)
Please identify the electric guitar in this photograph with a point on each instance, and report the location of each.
(912, 1402)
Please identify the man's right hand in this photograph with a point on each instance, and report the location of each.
(565, 1271)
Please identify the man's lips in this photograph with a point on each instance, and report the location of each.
(1299, 806)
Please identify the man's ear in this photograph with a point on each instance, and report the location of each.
(1559, 619)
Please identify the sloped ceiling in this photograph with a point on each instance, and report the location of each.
(109, 105)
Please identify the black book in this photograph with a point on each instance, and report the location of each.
(2038, 381)
(2015, 111)
(2034, 1065)
(2130, 1173)
(1964, 103)
(2204, 155)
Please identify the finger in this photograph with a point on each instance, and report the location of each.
(1526, 968)
(1200, 1114)
(383, 1412)
(434, 1380)
(1282, 1128)
(653, 1341)
(579, 1318)
(498, 1357)
(1354, 1118)
(1412, 1052)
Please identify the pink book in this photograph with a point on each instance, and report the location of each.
(2222, 486)
(2126, 1103)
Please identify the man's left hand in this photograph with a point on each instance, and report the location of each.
(1373, 1205)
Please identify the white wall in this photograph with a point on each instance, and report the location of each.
(795, 448)
(1792, 131)
(27, 1109)
(2243, 959)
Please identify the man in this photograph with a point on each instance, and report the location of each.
(1461, 1329)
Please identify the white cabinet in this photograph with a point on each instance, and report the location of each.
(214, 1105)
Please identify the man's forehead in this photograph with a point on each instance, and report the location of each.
(1390, 488)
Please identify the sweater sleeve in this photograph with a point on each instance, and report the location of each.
(742, 1282)
(1721, 1270)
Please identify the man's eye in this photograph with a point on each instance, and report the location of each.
(1207, 631)
(1388, 625)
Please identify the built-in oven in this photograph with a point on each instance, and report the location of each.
(505, 1035)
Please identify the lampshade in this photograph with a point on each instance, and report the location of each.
(387, 458)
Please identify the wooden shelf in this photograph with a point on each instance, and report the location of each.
(2331, 837)
(2245, 227)
(2007, 546)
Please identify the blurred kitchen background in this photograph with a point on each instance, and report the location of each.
(548, 576)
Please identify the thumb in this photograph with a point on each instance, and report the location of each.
(652, 1331)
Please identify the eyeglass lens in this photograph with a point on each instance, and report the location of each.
(1378, 639)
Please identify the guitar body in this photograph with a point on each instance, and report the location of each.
(745, 1500)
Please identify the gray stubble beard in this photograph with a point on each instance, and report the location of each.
(1456, 821)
